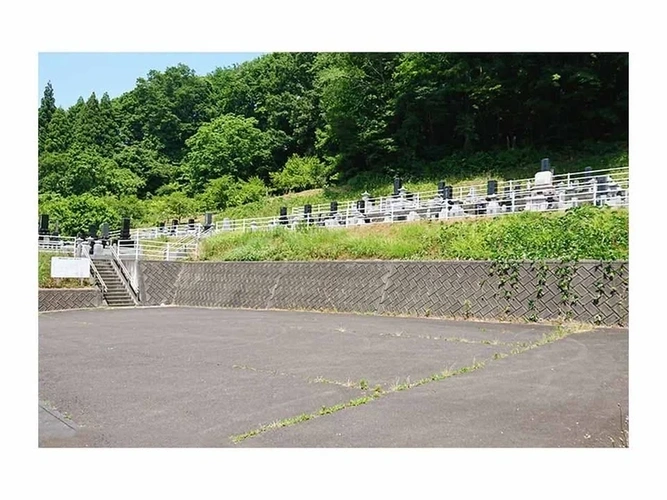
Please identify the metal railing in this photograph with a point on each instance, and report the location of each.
(470, 192)
(57, 244)
(157, 250)
(85, 252)
(544, 193)
(117, 262)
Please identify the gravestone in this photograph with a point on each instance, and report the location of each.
(543, 179)
(98, 249)
(44, 224)
(307, 213)
(457, 210)
(492, 207)
(588, 173)
(125, 229)
(545, 165)
(398, 184)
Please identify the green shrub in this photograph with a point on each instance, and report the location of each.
(300, 173)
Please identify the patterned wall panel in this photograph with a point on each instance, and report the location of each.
(588, 291)
(57, 299)
(227, 284)
(337, 286)
(157, 282)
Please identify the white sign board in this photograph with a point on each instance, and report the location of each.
(70, 267)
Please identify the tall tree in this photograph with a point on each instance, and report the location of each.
(58, 136)
(356, 91)
(278, 91)
(229, 145)
(88, 128)
(167, 109)
(46, 111)
(110, 138)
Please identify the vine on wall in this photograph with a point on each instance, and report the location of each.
(564, 271)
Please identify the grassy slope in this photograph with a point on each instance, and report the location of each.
(582, 233)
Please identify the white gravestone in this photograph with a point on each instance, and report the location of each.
(413, 216)
(444, 213)
(457, 211)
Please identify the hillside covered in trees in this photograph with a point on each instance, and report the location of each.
(180, 144)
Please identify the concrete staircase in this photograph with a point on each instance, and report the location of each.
(117, 295)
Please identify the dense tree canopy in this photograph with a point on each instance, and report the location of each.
(288, 121)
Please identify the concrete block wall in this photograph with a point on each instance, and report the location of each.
(56, 299)
(595, 292)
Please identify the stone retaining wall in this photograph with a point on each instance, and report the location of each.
(55, 299)
(595, 292)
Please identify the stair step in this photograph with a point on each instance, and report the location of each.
(116, 295)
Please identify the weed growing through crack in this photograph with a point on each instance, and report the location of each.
(559, 333)
(325, 410)
(446, 339)
(322, 380)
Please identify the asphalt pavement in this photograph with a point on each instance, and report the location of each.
(199, 377)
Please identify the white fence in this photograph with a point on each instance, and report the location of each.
(544, 192)
(157, 250)
(57, 244)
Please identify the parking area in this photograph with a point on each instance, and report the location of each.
(198, 377)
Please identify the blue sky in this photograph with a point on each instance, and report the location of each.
(79, 74)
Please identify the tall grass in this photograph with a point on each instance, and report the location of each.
(582, 233)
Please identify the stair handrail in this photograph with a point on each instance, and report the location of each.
(126, 274)
(96, 273)
(98, 277)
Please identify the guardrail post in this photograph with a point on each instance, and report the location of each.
(136, 250)
(167, 251)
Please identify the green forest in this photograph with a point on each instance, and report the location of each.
(180, 144)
